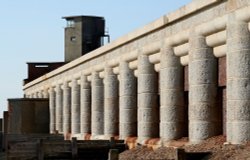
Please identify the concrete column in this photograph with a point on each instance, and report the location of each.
(148, 110)
(59, 109)
(238, 81)
(172, 124)
(85, 106)
(111, 103)
(203, 116)
(66, 108)
(128, 102)
(39, 94)
(32, 95)
(97, 110)
(45, 94)
(52, 110)
(75, 110)
(35, 95)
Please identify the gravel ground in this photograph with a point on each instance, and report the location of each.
(214, 145)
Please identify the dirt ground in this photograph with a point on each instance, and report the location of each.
(220, 151)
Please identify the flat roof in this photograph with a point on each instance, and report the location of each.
(81, 16)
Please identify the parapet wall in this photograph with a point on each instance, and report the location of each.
(149, 63)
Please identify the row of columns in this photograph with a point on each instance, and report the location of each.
(129, 107)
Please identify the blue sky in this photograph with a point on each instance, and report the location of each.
(33, 31)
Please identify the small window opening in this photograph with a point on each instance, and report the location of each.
(70, 23)
(73, 39)
(41, 66)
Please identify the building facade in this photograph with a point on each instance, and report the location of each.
(187, 74)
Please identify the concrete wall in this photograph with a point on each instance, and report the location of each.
(186, 50)
(28, 116)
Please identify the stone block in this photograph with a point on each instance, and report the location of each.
(201, 54)
(128, 102)
(202, 93)
(97, 105)
(172, 114)
(171, 130)
(171, 78)
(240, 110)
(238, 44)
(240, 131)
(128, 87)
(202, 112)
(85, 117)
(172, 98)
(239, 89)
(148, 115)
(128, 129)
(147, 100)
(203, 72)
(200, 130)
(148, 130)
(86, 95)
(128, 115)
(111, 116)
(97, 93)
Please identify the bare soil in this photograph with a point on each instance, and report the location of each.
(215, 145)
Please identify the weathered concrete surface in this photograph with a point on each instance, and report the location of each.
(97, 110)
(238, 81)
(66, 108)
(85, 106)
(148, 110)
(203, 116)
(52, 110)
(128, 102)
(172, 96)
(59, 109)
(75, 107)
(111, 103)
(25, 116)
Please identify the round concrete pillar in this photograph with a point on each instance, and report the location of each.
(97, 110)
(35, 95)
(52, 110)
(45, 93)
(59, 109)
(39, 94)
(66, 108)
(75, 107)
(85, 106)
(148, 110)
(172, 125)
(128, 102)
(111, 103)
(203, 113)
(238, 81)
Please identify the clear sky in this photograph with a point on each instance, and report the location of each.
(33, 31)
